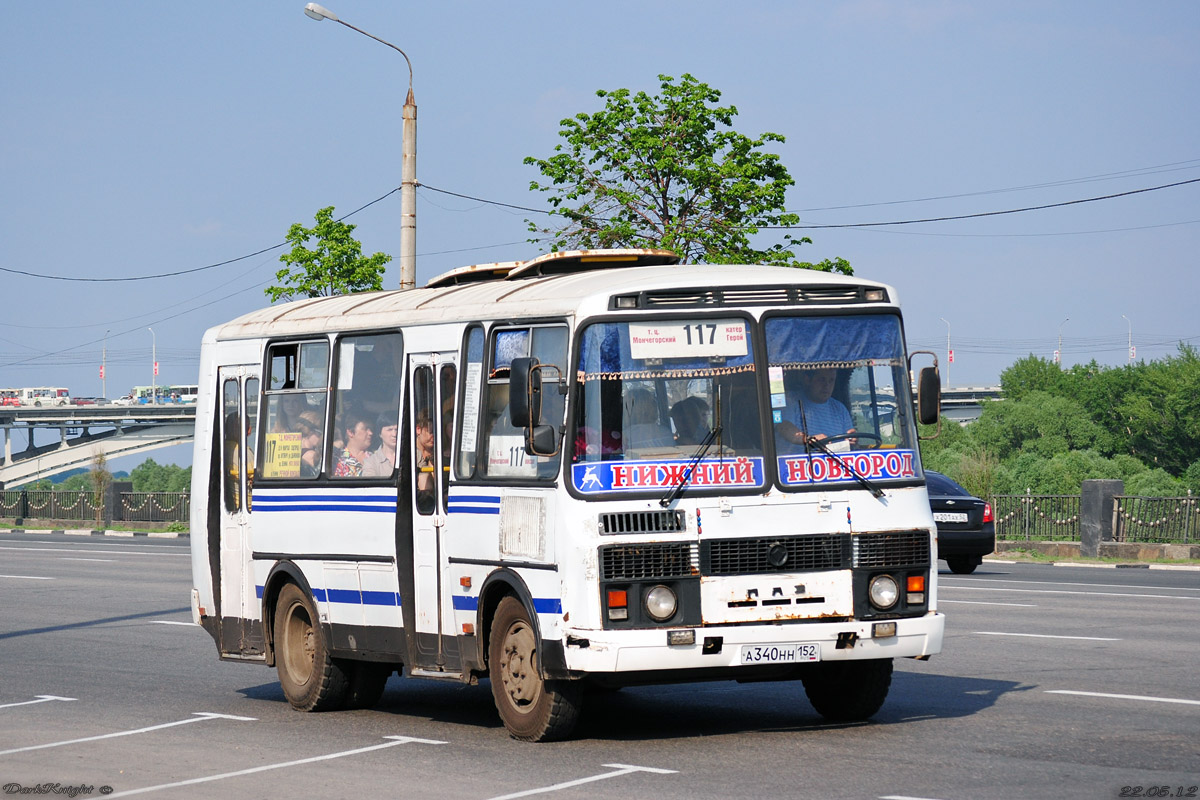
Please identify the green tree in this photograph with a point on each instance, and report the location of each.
(667, 171)
(150, 476)
(334, 266)
(1031, 374)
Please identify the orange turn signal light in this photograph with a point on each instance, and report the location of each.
(618, 598)
(916, 583)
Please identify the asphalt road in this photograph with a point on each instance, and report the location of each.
(1054, 682)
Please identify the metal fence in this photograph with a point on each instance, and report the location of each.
(1036, 517)
(80, 505)
(1165, 520)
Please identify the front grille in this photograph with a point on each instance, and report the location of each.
(642, 522)
(901, 549)
(774, 554)
(630, 562)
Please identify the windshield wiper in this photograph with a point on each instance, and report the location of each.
(847, 464)
(678, 489)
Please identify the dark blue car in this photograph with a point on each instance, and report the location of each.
(965, 526)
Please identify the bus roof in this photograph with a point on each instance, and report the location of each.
(675, 287)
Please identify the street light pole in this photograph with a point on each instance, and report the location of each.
(949, 352)
(408, 158)
(1130, 345)
(153, 367)
(104, 367)
(1058, 352)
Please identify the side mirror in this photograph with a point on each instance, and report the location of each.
(929, 396)
(541, 440)
(524, 392)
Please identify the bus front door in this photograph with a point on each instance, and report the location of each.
(431, 410)
(241, 630)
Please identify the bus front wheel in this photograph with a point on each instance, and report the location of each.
(311, 679)
(532, 709)
(847, 691)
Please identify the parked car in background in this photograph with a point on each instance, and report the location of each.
(127, 400)
(965, 526)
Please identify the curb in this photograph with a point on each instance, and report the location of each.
(85, 532)
(1173, 567)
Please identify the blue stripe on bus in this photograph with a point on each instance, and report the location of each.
(261, 496)
(456, 509)
(474, 498)
(547, 605)
(541, 605)
(349, 596)
(465, 603)
(258, 507)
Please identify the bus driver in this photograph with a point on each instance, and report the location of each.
(824, 415)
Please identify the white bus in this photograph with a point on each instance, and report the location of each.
(44, 396)
(580, 472)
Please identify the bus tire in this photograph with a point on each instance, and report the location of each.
(532, 709)
(311, 679)
(847, 691)
(366, 682)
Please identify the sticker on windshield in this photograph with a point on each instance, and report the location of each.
(801, 470)
(631, 476)
(688, 339)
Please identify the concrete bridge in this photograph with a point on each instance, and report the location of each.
(82, 432)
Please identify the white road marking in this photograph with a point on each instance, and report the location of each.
(128, 552)
(972, 584)
(986, 603)
(199, 716)
(394, 740)
(26, 578)
(904, 797)
(1065, 591)
(1127, 697)
(41, 698)
(620, 769)
(1046, 636)
(103, 560)
(171, 622)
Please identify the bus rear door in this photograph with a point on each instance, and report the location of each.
(238, 602)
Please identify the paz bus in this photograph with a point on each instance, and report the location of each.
(589, 470)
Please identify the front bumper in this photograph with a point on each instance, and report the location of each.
(612, 651)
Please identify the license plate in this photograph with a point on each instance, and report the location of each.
(950, 516)
(780, 653)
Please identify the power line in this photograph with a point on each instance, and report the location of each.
(981, 213)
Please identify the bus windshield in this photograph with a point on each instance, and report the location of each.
(832, 399)
(650, 392)
(839, 385)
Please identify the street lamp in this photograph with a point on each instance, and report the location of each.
(949, 353)
(408, 159)
(1058, 352)
(1130, 337)
(154, 363)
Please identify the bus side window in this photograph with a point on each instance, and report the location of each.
(468, 423)
(425, 445)
(367, 411)
(231, 438)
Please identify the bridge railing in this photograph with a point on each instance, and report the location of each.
(1036, 517)
(1166, 520)
(80, 505)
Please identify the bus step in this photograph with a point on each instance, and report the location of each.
(417, 672)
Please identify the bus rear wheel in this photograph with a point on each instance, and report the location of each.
(532, 709)
(311, 679)
(848, 691)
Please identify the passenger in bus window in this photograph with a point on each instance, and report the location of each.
(356, 444)
(424, 461)
(824, 415)
(641, 416)
(690, 416)
(381, 460)
(308, 423)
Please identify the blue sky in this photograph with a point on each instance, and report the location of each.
(142, 138)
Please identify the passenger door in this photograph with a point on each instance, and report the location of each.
(239, 418)
(432, 380)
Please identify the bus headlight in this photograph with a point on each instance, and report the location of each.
(883, 591)
(661, 603)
